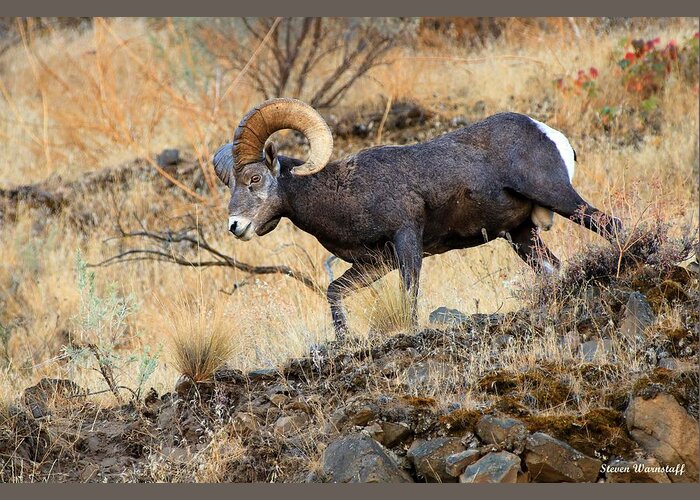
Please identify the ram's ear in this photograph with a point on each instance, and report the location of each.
(223, 164)
(271, 159)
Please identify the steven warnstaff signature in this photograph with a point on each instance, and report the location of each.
(678, 469)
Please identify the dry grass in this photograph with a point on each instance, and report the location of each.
(206, 465)
(384, 306)
(201, 340)
(73, 102)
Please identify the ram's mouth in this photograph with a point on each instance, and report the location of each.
(267, 227)
(247, 233)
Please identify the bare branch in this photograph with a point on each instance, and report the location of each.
(349, 49)
(194, 239)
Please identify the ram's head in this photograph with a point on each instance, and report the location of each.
(251, 168)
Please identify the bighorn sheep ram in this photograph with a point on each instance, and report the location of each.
(502, 177)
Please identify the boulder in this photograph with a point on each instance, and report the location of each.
(637, 317)
(357, 458)
(597, 348)
(290, 424)
(457, 462)
(430, 457)
(496, 430)
(552, 461)
(677, 365)
(425, 374)
(665, 430)
(451, 317)
(245, 423)
(39, 397)
(645, 470)
(500, 467)
(394, 434)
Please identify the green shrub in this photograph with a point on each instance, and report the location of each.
(100, 328)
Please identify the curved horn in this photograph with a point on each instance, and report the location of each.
(223, 163)
(277, 114)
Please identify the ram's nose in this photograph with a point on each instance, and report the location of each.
(238, 226)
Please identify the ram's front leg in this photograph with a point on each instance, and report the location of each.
(358, 276)
(408, 243)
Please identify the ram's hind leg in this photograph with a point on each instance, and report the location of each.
(526, 241)
(560, 197)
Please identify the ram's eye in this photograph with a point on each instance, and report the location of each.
(254, 179)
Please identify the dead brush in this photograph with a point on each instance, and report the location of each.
(646, 250)
(200, 338)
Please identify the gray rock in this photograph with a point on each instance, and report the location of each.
(502, 341)
(357, 458)
(496, 430)
(429, 458)
(457, 462)
(552, 461)
(645, 470)
(168, 157)
(451, 317)
(425, 374)
(665, 430)
(677, 365)
(290, 424)
(395, 434)
(263, 374)
(637, 317)
(501, 467)
(39, 397)
(597, 348)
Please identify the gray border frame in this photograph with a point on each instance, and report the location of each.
(357, 7)
(649, 8)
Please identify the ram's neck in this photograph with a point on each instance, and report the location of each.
(308, 201)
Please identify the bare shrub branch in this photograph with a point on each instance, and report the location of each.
(161, 246)
(338, 51)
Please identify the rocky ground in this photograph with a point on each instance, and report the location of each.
(367, 412)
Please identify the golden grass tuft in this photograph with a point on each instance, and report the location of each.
(200, 337)
(383, 306)
(390, 307)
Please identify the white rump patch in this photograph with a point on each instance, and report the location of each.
(563, 145)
